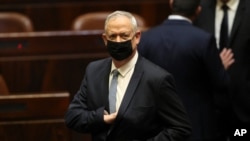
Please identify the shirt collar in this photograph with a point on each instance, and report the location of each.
(123, 70)
(232, 4)
(179, 17)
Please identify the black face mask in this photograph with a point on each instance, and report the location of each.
(120, 50)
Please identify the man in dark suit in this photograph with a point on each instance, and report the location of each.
(147, 106)
(190, 54)
(239, 42)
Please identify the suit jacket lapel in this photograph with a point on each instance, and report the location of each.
(238, 18)
(104, 82)
(133, 84)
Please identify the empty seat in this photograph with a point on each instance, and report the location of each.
(14, 22)
(96, 20)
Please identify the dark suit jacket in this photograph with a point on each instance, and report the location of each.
(150, 107)
(239, 42)
(190, 54)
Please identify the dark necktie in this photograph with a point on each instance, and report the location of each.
(224, 28)
(112, 92)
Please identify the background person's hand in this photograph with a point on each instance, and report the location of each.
(227, 57)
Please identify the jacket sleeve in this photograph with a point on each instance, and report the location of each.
(80, 117)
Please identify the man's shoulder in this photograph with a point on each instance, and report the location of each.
(152, 68)
(97, 64)
(201, 31)
(153, 30)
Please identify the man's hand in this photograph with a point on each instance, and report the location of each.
(226, 56)
(109, 118)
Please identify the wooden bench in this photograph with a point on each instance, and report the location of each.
(37, 116)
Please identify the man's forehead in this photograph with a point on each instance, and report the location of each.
(119, 31)
(119, 25)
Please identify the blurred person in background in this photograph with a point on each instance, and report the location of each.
(191, 55)
(236, 37)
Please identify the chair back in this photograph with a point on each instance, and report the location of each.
(14, 22)
(3, 86)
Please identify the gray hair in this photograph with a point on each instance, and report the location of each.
(121, 13)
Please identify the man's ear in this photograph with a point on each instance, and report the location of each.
(198, 10)
(138, 37)
(104, 37)
(171, 4)
(196, 14)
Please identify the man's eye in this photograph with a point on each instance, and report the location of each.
(112, 36)
(124, 36)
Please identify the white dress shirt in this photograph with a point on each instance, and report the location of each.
(232, 5)
(179, 17)
(126, 72)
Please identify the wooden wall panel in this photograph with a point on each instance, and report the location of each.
(48, 16)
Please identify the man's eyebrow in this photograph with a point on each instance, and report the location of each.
(121, 33)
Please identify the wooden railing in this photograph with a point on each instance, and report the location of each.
(48, 61)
